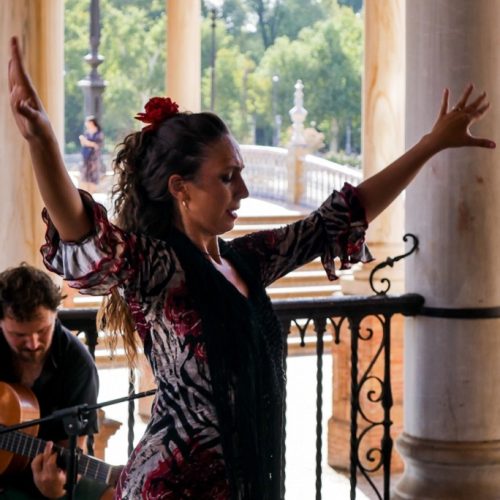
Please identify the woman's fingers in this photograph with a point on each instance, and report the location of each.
(444, 102)
(480, 111)
(18, 64)
(15, 64)
(18, 77)
(481, 142)
(472, 107)
(465, 96)
(27, 109)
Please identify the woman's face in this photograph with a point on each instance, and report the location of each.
(90, 126)
(215, 193)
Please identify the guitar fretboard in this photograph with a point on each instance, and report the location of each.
(29, 446)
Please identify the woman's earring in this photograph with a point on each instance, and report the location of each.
(184, 204)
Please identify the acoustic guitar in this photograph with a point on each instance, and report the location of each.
(19, 404)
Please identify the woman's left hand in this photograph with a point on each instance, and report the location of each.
(452, 127)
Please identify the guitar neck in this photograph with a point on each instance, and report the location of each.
(29, 446)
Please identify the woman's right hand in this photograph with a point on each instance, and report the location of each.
(30, 116)
(59, 194)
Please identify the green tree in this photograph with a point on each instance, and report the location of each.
(133, 45)
(233, 70)
(76, 33)
(256, 24)
(317, 41)
(356, 5)
(327, 58)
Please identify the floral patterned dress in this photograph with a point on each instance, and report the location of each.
(180, 454)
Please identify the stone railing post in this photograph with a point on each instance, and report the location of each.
(297, 146)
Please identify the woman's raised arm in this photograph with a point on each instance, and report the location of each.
(451, 130)
(58, 192)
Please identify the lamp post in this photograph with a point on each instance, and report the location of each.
(93, 85)
(213, 6)
(348, 134)
(276, 115)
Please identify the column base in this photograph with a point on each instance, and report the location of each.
(448, 470)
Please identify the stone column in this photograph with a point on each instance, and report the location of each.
(40, 28)
(184, 53)
(451, 444)
(383, 142)
(383, 130)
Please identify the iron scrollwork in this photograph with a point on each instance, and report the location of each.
(370, 382)
(390, 261)
(378, 387)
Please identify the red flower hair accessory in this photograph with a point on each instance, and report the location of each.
(156, 111)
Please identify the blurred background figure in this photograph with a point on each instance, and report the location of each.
(92, 141)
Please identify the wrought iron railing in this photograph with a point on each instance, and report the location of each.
(342, 317)
(266, 171)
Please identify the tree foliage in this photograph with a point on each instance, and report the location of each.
(318, 41)
(133, 46)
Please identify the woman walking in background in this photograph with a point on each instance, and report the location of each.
(92, 141)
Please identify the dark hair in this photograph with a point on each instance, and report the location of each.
(93, 119)
(24, 289)
(144, 162)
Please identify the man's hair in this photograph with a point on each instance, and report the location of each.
(24, 289)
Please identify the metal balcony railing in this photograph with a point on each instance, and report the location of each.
(341, 317)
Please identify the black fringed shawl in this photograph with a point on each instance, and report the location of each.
(245, 347)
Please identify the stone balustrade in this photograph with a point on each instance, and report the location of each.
(268, 175)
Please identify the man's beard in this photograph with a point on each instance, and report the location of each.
(29, 356)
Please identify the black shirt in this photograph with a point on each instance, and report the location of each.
(68, 378)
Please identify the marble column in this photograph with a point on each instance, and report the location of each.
(451, 443)
(383, 142)
(40, 28)
(383, 130)
(184, 53)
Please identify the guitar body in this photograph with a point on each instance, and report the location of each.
(17, 404)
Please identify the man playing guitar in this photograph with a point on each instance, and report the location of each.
(38, 353)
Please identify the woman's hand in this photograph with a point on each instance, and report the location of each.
(48, 477)
(452, 127)
(30, 116)
(451, 130)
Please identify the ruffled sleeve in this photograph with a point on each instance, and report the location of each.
(344, 224)
(105, 258)
(335, 230)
